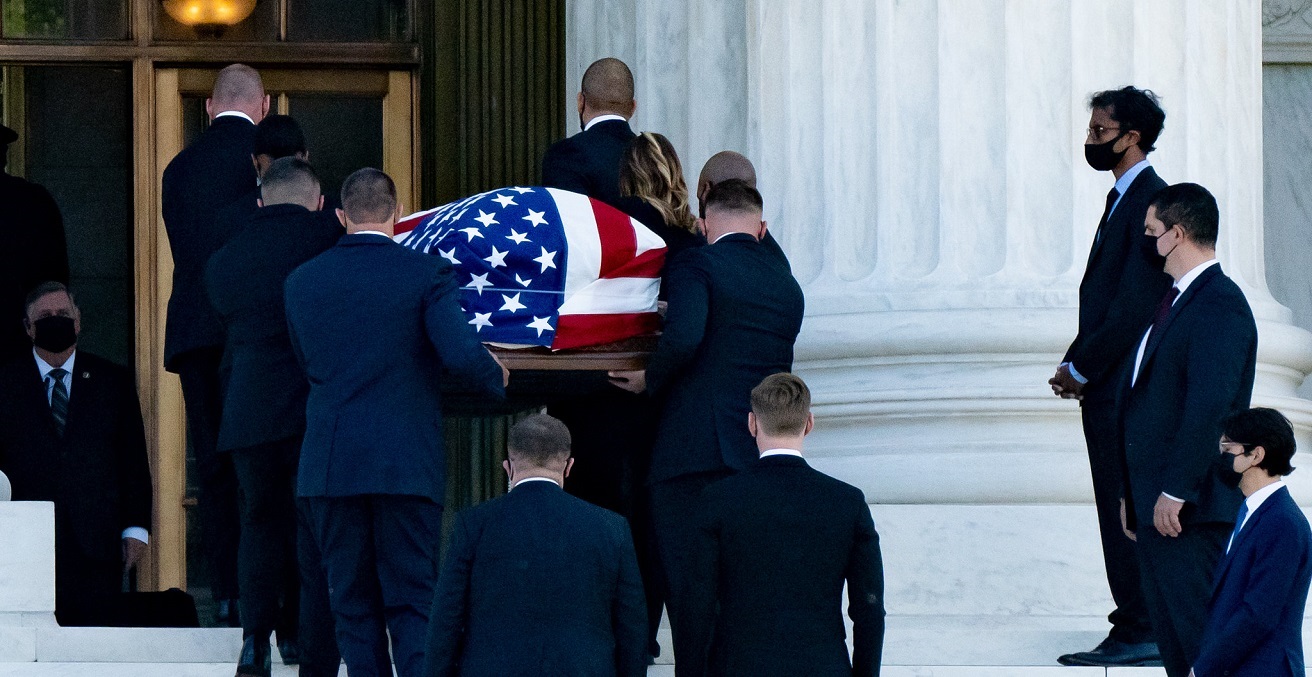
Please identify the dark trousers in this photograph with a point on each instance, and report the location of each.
(85, 587)
(272, 550)
(676, 513)
(202, 392)
(1102, 435)
(1177, 584)
(380, 554)
(611, 437)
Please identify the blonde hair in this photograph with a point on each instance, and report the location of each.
(650, 170)
(781, 403)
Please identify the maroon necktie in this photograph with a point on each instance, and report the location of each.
(1164, 308)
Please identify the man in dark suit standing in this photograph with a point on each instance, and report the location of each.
(538, 582)
(1192, 367)
(264, 414)
(1255, 618)
(71, 433)
(35, 251)
(208, 176)
(1122, 283)
(589, 162)
(376, 328)
(778, 542)
(734, 314)
(276, 136)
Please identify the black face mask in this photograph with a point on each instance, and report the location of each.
(1225, 470)
(55, 334)
(1101, 157)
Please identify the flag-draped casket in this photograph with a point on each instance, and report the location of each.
(545, 267)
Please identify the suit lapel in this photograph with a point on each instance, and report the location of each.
(1159, 333)
(1116, 222)
(37, 402)
(1254, 522)
(78, 395)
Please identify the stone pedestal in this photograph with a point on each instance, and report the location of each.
(922, 165)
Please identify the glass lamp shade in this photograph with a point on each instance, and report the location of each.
(209, 16)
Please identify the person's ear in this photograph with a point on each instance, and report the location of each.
(264, 109)
(259, 202)
(320, 207)
(29, 328)
(751, 423)
(633, 108)
(1258, 454)
(701, 228)
(341, 216)
(510, 474)
(1131, 138)
(569, 465)
(209, 108)
(810, 424)
(77, 321)
(582, 103)
(760, 234)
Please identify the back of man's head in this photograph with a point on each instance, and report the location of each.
(608, 87)
(734, 196)
(539, 441)
(239, 88)
(723, 166)
(1133, 109)
(279, 136)
(291, 180)
(1191, 207)
(1266, 428)
(781, 405)
(369, 197)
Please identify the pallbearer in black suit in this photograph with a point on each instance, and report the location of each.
(264, 414)
(589, 162)
(728, 165)
(276, 136)
(71, 433)
(205, 178)
(1122, 283)
(734, 314)
(538, 582)
(1193, 366)
(778, 541)
(376, 328)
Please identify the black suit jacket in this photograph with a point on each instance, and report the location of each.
(780, 539)
(265, 398)
(377, 327)
(589, 162)
(1197, 368)
(97, 474)
(209, 175)
(734, 314)
(538, 582)
(1122, 284)
(35, 251)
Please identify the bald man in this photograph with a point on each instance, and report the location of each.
(724, 166)
(589, 162)
(209, 175)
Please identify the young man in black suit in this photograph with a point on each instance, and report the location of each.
(734, 314)
(1192, 367)
(589, 162)
(537, 581)
(1122, 283)
(71, 433)
(264, 416)
(203, 179)
(778, 541)
(377, 328)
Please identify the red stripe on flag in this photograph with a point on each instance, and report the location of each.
(649, 264)
(577, 331)
(618, 241)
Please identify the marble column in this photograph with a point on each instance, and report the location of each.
(921, 163)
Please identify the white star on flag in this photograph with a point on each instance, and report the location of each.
(503, 200)
(547, 259)
(541, 324)
(498, 258)
(522, 280)
(482, 320)
(486, 219)
(512, 303)
(478, 282)
(450, 255)
(471, 233)
(517, 237)
(536, 218)
(521, 191)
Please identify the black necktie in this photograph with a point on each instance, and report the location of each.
(1106, 214)
(59, 399)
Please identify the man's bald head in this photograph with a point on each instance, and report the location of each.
(723, 166)
(238, 88)
(607, 88)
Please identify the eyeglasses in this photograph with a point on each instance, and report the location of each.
(1096, 131)
(1225, 448)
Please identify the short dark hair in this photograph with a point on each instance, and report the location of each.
(289, 179)
(1266, 428)
(368, 196)
(48, 287)
(1191, 207)
(734, 195)
(608, 86)
(1133, 109)
(539, 440)
(279, 136)
(781, 404)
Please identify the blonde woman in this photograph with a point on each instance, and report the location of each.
(651, 181)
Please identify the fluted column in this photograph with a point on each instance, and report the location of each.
(921, 163)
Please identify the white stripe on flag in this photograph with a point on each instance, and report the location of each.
(580, 225)
(647, 240)
(620, 295)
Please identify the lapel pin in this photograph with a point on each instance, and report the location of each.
(86, 374)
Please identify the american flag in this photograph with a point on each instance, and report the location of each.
(545, 267)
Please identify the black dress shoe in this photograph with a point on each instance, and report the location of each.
(226, 613)
(255, 658)
(1114, 653)
(290, 652)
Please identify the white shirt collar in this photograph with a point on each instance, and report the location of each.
(1123, 183)
(45, 368)
(372, 232)
(534, 479)
(1189, 277)
(781, 452)
(734, 232)
(234, 114)
(1259, 497)
(603, 118)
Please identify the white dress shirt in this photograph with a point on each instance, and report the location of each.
(603, 118)
(534, 479)
(372, 232)
(1254, 502)
(234, 114)
(781, 451)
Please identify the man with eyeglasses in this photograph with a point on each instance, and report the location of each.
(1122, 282)
(1255, 618)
